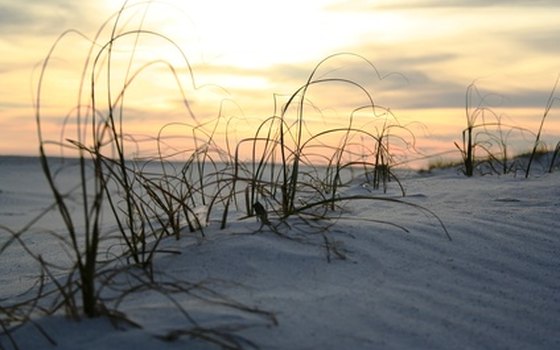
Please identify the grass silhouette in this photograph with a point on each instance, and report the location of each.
(292, 176)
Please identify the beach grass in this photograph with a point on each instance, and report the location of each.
(292, 178)
(487, 140)
(292, 172)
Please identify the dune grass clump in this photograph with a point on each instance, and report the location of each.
(296, 174)
(554, 160)
(292, 165)
(552, 99)
(486, 133)
(439, 163)
(119, 212)
(289, 173)
(487, 139)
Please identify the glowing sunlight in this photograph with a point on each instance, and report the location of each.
(254, 54)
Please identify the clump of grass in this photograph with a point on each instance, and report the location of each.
(549, 104)
(297, 174)
(115, 193)
(441, 163)
(486, 139)
(554, 159)
(294, 172)
(290, 163)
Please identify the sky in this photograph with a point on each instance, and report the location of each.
(245, 54)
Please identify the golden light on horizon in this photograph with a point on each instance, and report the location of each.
(249, 52)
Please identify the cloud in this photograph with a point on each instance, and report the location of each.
(419, 4)
(13, 105)
(501, 43)
(540, 40)
(412, 81)
(39, 18)
(479, 3)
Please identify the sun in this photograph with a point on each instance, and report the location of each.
(252, 33)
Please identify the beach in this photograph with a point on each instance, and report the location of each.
(389, 277)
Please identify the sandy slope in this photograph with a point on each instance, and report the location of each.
(496, 285)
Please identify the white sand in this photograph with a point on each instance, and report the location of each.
(496, 285)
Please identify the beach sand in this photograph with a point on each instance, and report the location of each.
(495, 285)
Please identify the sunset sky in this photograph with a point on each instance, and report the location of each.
(250, 50)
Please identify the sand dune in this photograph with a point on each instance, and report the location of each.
(496, 285)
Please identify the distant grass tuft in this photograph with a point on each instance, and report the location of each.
(486, 141)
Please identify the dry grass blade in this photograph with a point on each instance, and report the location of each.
(302, 209)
